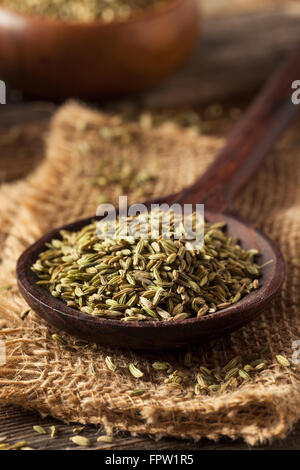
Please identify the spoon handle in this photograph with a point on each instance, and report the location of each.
(248, 144)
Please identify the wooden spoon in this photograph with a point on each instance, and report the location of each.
(60, 59)
(245, 150)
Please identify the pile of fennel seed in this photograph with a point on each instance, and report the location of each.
(154, 279)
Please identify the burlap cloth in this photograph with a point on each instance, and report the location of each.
(40, 375)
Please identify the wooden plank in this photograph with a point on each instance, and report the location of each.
(234, 54)
(22, 128)
(17, 114)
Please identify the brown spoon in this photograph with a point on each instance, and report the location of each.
(245, 150)
(58, 59)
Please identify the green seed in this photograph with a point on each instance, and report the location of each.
(283, 361)
(231, 373)
(231, 363)
(18, 445)
(4, 288)
(201, 381)
(260, 366)
(243, 374)
(135, 371)
(4, 446)
(53, 432)
(78, 430)
(25, 313)
(138, 392)
(81, 441)
(110, 364)
(59, 339)
(108, 439)
(205, 371)
(160, 365)
(39, 429)
(214, 387)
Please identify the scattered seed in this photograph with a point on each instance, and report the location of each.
(59, 339)
(110, 364)
(205, 371)
(260, 366)
(283, 361)
(4, 446)
(78, 430)
(231, 373)
(160, 365)
(39, 429)
(108, 439)
(25, 313)
(214, 387)
(243, 374)
(135, 371)
(18, 445)
(5, 288)
(231, 363)
(138, 392)
(81, 441)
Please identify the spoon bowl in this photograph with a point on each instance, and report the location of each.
(151, 335)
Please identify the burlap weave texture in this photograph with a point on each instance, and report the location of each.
(40, 375)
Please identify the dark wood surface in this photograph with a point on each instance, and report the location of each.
(57, 59)
(234, 55)
(248, 143)
(21, 138)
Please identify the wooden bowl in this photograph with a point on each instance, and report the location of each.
(57, 59)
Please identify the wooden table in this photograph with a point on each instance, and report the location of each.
(228, 50)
